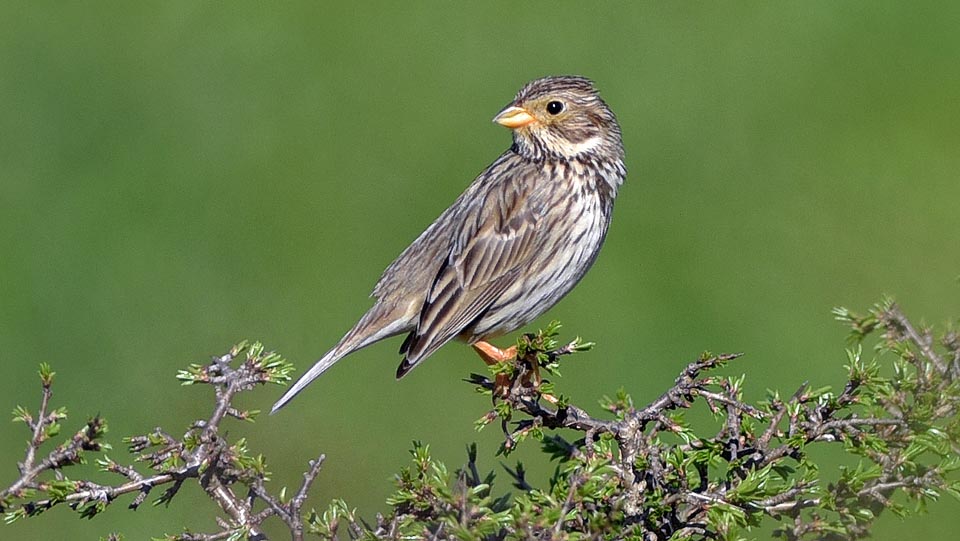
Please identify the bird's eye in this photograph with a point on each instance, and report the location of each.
(555, 107)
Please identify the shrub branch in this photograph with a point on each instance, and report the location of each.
(632, 472)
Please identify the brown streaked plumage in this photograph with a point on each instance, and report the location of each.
(513, 244)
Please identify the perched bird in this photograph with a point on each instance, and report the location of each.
(513, 244)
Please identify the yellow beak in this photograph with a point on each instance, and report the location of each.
(514, 117)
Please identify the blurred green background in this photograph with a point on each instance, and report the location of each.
(177, 176)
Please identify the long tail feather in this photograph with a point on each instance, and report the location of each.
(374, 326)
(318, 368)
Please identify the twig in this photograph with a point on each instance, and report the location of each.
(202, 454)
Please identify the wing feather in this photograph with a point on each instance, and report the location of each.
(496, 240)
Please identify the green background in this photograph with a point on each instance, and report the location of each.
(177, 176)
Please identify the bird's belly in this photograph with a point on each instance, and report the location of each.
(555, 269)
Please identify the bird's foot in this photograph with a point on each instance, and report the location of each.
(492, 355)
(529, 369)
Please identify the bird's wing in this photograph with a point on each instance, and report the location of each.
(496, 239)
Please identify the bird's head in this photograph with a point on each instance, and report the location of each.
(562, 117)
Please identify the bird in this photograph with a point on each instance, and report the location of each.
(514, 243)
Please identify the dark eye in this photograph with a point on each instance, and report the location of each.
(555, 107)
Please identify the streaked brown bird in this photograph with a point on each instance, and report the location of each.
(513, 244)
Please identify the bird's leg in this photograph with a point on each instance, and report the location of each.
(533, 379)
(491, 355)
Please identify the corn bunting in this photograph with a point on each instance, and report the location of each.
(513, 244)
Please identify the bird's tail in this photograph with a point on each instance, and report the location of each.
(318, 368)
(368, 330)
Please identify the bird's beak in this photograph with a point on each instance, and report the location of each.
(514, 117)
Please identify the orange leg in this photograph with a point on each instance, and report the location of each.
(491, 354)
(532, 378)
